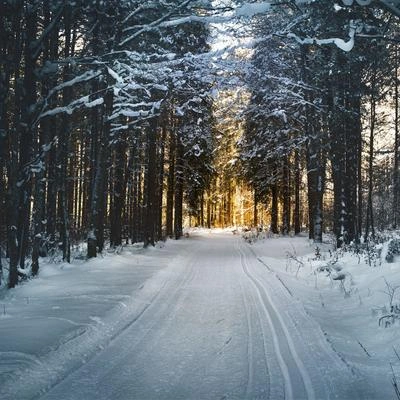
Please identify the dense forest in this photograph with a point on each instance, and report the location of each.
(121, 120)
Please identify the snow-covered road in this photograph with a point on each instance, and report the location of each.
(221, 326)
(217, 322)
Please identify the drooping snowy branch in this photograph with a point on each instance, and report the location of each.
(73, 106)
(340, 43)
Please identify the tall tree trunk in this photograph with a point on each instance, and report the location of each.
(160, 233)
(5, 76)
(255, 213)
(170, 185)
(297, 183)
(28, 132)
(369, 224)
(97, 209)
(208, 210)
(274, 208)
(339, 140)
(43, 147)
(49, 131)
(12, 140)
(202, 209)
(64, 144)
(178, 200)
(118, 193)
(316, 183)
(135, 227)
(359, 187)
(396, 177)
(151, 186)
(286, 196)
(315, 165)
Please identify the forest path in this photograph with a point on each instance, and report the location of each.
(219, 325)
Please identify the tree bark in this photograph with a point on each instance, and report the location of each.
(170, 185)
(286, 196)
(96, 231)
(27, 133)
(396, 179)
(297, 183)
(274, 209)
(369, 223)
(118, 193)
(160, 233)
(151, 186)
(178, 200)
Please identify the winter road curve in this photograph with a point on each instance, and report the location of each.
(221, 326)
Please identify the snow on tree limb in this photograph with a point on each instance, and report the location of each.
(155, 23)
(85, 77)
(340, 43)
(70, 108)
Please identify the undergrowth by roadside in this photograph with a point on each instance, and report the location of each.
(375, 261)
(329, 261)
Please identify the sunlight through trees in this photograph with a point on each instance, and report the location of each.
(124, 121)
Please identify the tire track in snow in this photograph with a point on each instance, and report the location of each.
(269, 369)
(282, 365)
(164, 318)
(169, 299)
(342, 369)
(336, 376)
(70, 356)
(287, 356)
(250, 358)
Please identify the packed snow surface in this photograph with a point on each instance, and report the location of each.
(207, 317)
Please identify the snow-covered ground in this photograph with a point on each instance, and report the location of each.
(207, 317)
(347, 310)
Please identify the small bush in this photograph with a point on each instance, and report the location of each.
(393, 250)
